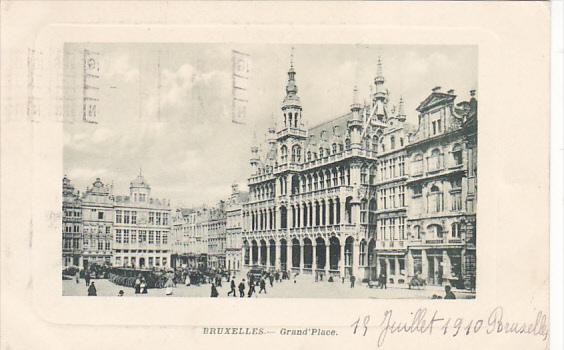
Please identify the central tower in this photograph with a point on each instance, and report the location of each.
(291, 105)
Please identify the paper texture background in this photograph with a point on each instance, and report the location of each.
(512, 215)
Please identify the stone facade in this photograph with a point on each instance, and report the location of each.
(141, 228)
(72, 225)
(343, 198)
(97, 221)
(130, 231)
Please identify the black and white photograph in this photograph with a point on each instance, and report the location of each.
(270, 170)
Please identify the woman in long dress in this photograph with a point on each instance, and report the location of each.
(187, 280)
(168, 286)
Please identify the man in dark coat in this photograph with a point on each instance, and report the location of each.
(271, 279)
(352, 281)
(448, 293)
(383, 281)
(242, 288)
(92, 290)
(251, 288)
(262, 286)
(87, 277)
(232, 291)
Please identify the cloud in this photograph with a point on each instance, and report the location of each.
(119, 67)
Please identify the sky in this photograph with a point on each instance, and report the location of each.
(165, 109)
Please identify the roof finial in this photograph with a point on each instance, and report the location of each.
(401, 109)
(292, 58)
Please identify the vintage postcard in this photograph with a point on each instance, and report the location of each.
(324, 181)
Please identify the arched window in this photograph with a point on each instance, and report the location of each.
(362, 254)
(320, 152)
(296, 154)
(457, 154)
(435, 160)
(417, 164)
(364, 175)
(435, 231)
(283, 154)
(435, 200)
(347, 143)
(392, 142)
(375, 143)
(455, 230)
(416, 234)
(290, 120)
(363, 207)
(334, 148)
(372, 208)
(308, 156)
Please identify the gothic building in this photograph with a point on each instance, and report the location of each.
(341, 198)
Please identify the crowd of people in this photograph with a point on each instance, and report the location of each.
(246, 286)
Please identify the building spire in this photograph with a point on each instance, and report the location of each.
(379, 79)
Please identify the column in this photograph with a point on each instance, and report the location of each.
(387, 269)
(251, 255)
(302, 254)
(289, 216)
(278, 256)
(342, 203)
(424, 266)
(290, 263)
(313, 257)
(327, 259)
(377, 259)
(313, 216)
(409, 264)
(278, 220)
(355, 261)
(436, 269)
(396, 262)
(446, 265)
(259, 254)
(327, 212)
(342, 259)
(268, 254)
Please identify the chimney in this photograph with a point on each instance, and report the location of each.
(437, 89)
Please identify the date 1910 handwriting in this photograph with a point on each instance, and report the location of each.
(425, 322)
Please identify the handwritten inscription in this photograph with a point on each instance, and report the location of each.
(428, 322)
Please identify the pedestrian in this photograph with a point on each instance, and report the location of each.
(383, 281)
(277, 276)
(137, 285)
(77, 277)
(343, 280)
(271, 279)
(214, 292)
(92, 290)
(187, 280)
(168, 286)
(242, 288)
(251, 288)
(143, 286)
(448, 293)
(87, 277)
(352, 281)
(316, 276)
(121, 293)
(262, 286)
(232, 288)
